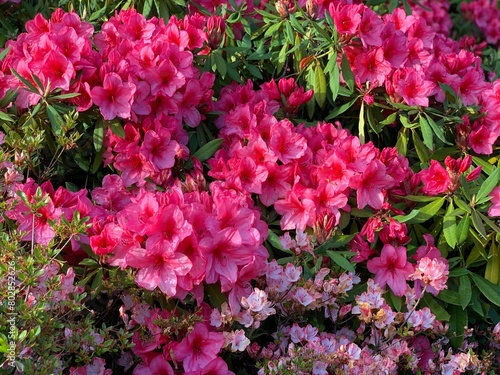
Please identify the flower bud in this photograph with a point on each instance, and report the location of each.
(465, 164)
(216, 27)
(312, 8)
(474, 174)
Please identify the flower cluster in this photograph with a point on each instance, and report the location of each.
(486, 15)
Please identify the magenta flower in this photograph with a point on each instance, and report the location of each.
(114, 98)
(494, 209)
(436, 179)
(199, 348)
(391, 268)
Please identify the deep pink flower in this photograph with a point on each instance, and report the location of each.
(391, 268)
(297, 213)
(199, 348)
(159, 149)
(114, 98)
(414, 88)
(436, 179)
(494, 209)
(286, 143)
(371, 66)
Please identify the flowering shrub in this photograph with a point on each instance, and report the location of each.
(223, 188)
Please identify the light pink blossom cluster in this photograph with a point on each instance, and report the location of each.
(486, 15)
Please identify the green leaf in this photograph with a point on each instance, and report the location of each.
(205, 152)
(5, 52)
(98, 134)
(463, 229)
(56, 121)
(220, 63)
(5, 117)
(488, 185)
(339, 110)
(449, 296)
(402, 142)
(347, 73)
(397, 302)
(340, 260)
(254, 70)
(478, 224)
(335, 242)
(457, 272)
(98, 14)
(489, 222)
(334, 81)
(117, 128)
(28, 84)
(422, 214)
(438, 131)
(436, 308)
(214, 294)
(465, 290)
(458, 322)
(422, 151)
(361, 123)
(146, 8)
(273, 29)
(426, 133)
(489, 290)
(319, 86)
(450, 227)
(274, 240)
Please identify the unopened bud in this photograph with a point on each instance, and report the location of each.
(474, 174)
(312, 8)
(216, 27)
(465, 164)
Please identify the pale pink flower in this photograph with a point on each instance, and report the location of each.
(433, 272)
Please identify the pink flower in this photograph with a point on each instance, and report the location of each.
(432, 272)
(391, 268)
(114, 98)
(199, 348)
(494, 209)
(157, 366)
(158, 268)
(370, 185)
(413, 87)
(436, 179)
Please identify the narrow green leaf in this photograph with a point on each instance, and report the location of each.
(28, 84)
(486, 167)
(456, 272)
(422, 214)
(334, 243)
(98, 134)
(5, 52)
(463, 229)
(146, 8)
(214, 294)
(319, 86)
(489, 290)
(426, 133)
(347, 73)
(117, 128)
(254, 70)
(389, 119)
(207, 150)
(98, 14)
(488, 185)
(56, 121)
(295, 23)
(339, 110)
(461, 204)
(340, 260)
(282, 56)
(5, 117)
(478, 224)
(273, 29)
(458, 321)
(334, 81)
(397, 302)
(465, 291)
(220, 63)
(402, 142)
(450, 227)
(422, 151)
(438, 131)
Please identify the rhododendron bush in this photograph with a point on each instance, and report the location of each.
(238, 187)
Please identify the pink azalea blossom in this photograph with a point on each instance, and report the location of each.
(494, 209)
(114, 98)
(436, 179)
(198, 348)
(391, 268)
